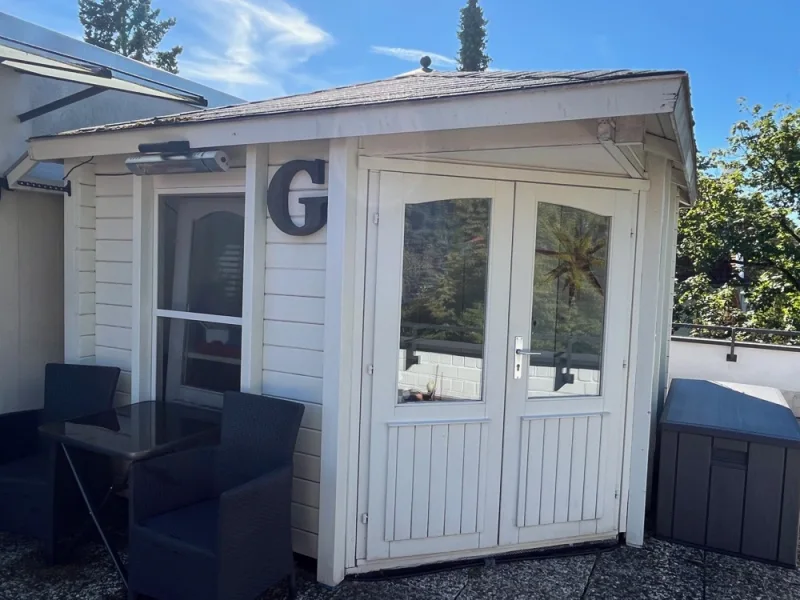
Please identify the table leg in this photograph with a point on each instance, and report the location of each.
(114, 556)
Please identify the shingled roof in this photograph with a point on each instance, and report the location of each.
(414, 86)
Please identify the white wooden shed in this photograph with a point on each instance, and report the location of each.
(466, 277)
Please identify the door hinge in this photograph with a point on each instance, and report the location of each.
(364, 518)
(633, 232)
(376, 218)
(370, 369)
(624, 364)
(616, 494)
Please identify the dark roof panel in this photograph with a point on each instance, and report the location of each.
(409, 87)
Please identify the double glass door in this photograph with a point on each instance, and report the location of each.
(501, 331)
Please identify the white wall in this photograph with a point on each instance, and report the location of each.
(32, 276)
(294, 306)
(113, 270)
(764, 365)
(294, 298)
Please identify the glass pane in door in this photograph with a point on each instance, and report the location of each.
(200, 275)
(201, 255)
(197, 361)
(569, 291)
(445, 268)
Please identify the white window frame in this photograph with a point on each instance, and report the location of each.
(147, 194)
(180, 314)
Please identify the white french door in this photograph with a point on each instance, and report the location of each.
(472, 444)
(439, 364)
(569, 332)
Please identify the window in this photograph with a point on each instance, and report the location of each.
(199, 297)
(570, 279)
(443, 312)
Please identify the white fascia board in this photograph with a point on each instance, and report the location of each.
(595, 101)
(683, 124)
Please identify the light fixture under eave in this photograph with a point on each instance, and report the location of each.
(211, 161)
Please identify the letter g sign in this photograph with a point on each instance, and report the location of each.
(278, 198)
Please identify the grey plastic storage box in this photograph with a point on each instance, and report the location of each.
(729, 472)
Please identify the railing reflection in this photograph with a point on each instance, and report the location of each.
(416, 341)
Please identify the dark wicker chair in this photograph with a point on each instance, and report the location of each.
(215, 522)
(38, 495)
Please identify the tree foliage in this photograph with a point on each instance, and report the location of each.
(472, 35)
(739, 245)
(131, 28)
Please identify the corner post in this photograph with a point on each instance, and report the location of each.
(339, 389)
(652, 284)
(143, 279)
(255, 240)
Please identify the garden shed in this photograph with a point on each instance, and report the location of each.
(466, 277)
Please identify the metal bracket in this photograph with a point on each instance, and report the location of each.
(60, 103)
(64, 189)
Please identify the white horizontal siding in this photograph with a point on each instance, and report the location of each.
(286, 282)
(86, 255)
(294, 308)
(113, 271)
(294, 335)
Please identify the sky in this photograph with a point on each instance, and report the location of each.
(257, 49)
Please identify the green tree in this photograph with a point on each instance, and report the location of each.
(131, 28)
(472, 35)
(739, 245)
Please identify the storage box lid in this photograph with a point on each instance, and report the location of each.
(712, 408)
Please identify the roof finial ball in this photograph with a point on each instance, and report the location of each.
(425, 62)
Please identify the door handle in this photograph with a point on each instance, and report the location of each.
(519, 352)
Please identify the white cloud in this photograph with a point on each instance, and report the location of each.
(411, 55)
(250, 47)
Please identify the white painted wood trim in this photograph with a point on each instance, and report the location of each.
(501, 173)
(368, 345)
(367, 566)
(443, 421)
(193, 316)
(565, 133)
(662, 147)
(651, 282)
(337, 394)
(144, 277)
(634, 171)
(196, 190)
(83, 190)
(357, 369)
(632, 366)
(641, 96)
(255, 238)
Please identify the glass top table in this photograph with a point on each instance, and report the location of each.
(139, 431)
(133, 432)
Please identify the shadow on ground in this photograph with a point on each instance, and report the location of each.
(659, 571)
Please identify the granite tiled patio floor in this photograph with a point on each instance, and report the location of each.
(659, 571)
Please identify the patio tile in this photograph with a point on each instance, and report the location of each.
(444, 585)
(658, 571)
(735, 578)
(551, 578)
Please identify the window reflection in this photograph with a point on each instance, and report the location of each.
(445, 265)
(569, 291)
(201, 254)
(198, 361)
